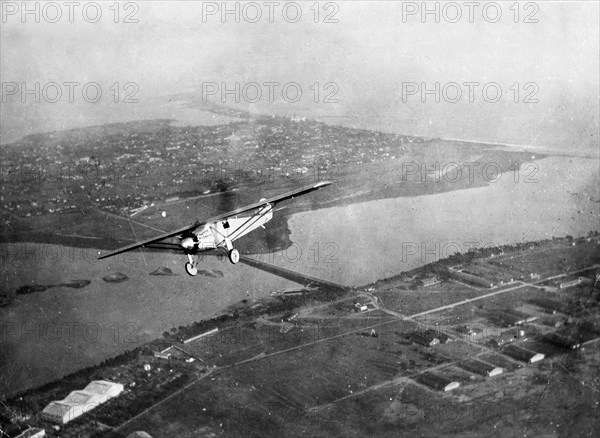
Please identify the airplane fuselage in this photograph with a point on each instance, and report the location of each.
(220, 234)
(220, 231)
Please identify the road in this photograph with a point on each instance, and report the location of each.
(396, 317)
(469, 300)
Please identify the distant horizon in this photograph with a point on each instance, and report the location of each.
(350, 123)
(364, 70)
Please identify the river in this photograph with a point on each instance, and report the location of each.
(364, 242)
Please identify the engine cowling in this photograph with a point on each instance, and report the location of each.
(189, 244)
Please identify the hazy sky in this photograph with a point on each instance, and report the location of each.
(367, 55)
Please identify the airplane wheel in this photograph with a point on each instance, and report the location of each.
(234, 256)
(190, 269)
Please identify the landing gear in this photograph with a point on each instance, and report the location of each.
(234, 256)
(190, 267)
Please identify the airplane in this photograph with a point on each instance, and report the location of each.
(221, 231)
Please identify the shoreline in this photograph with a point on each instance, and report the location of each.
(243, 311)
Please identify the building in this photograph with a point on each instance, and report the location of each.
(442, 337)
(289, 317)
(562, 341)
(471, 279)
(437, 382)
(548, 305)
(513, 334)
(359, 307)
(61, 412)
(426, 338)
(516, 317)
(431, 280)
(570, 283)
(480, 367)
(104, 389)
(201, 335)
(473, 332)
(161, 355)
(523, 354)
(523, 316)
(32, 432)
(509, 317)
(505, 337)
(79, 402)
(139, 434)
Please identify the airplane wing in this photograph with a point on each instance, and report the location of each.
(151, 240)
(180, 231)
(273, 201)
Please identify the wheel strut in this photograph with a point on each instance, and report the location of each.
(190, 267)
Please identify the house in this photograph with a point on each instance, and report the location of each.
(359, 307)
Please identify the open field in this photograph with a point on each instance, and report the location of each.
(309, 365)
(362, 385)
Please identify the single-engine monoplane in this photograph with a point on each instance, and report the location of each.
(221, 231)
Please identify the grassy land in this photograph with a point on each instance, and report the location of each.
(329, 371)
